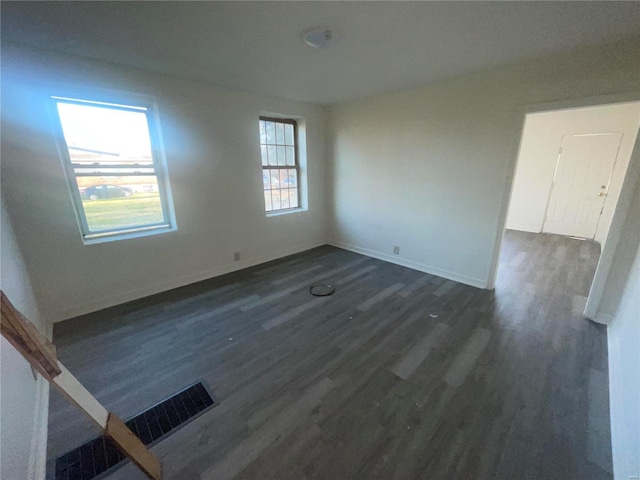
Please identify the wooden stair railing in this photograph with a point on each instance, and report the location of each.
(41, 354)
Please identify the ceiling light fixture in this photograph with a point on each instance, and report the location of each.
(321, 37)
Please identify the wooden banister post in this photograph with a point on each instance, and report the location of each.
(41, 354)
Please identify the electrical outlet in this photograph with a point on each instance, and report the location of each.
(396, 250)
(236, 256)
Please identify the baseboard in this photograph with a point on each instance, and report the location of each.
(603, 318)
(456, 277)
(176, 283)
(523, 228)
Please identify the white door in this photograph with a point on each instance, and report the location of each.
(580, 183)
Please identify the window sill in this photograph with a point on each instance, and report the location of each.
(286, 212)
(125, 235)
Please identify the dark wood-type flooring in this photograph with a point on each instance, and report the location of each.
(398, 375)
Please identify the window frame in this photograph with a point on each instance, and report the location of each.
(158, 166)
(296, 165)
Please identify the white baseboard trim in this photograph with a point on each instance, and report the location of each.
(603, 318)
(176, 283)
(524, 228)
(456, 277)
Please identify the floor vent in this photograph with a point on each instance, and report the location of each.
(99, 457)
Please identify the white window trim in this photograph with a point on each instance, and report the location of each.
(301, 148)
(129, 102)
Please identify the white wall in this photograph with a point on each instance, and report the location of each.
(623, 284)
(429, 169)
(23, 400)
(211, 142)
(538, 156)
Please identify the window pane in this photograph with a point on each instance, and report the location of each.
(291, 155)
(284, 198)
(282, 177)
(120, 202)
(267, 201)
(292, 178)
(278, 150)
(105, 136)
(288, 134)
(112, 167)
(280, 133)
(275, 198)
(271, 132)
(293, 198)
(273, 155)
(263, 154)
(275, 182)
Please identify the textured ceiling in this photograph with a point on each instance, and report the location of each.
(257, 46)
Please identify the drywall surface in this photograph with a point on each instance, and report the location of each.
(211, 146)
(622, 262)
(538, 156)
(429, 170)
(23, 399)
(624, 365)
(623, 339)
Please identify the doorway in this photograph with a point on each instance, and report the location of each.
(539, 174)
(555, 269)
(570, 169)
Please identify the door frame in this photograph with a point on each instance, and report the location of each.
(622, 207)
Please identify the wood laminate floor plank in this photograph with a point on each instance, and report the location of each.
(398, 375)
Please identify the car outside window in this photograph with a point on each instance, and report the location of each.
(112, 159)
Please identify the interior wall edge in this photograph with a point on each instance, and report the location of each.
(624, 383)
(623, 209)
(456, 277)
(31, 408)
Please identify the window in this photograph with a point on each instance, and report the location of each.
(112, 161)
(280, 165)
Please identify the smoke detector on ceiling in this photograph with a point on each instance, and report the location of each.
(321, 37)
